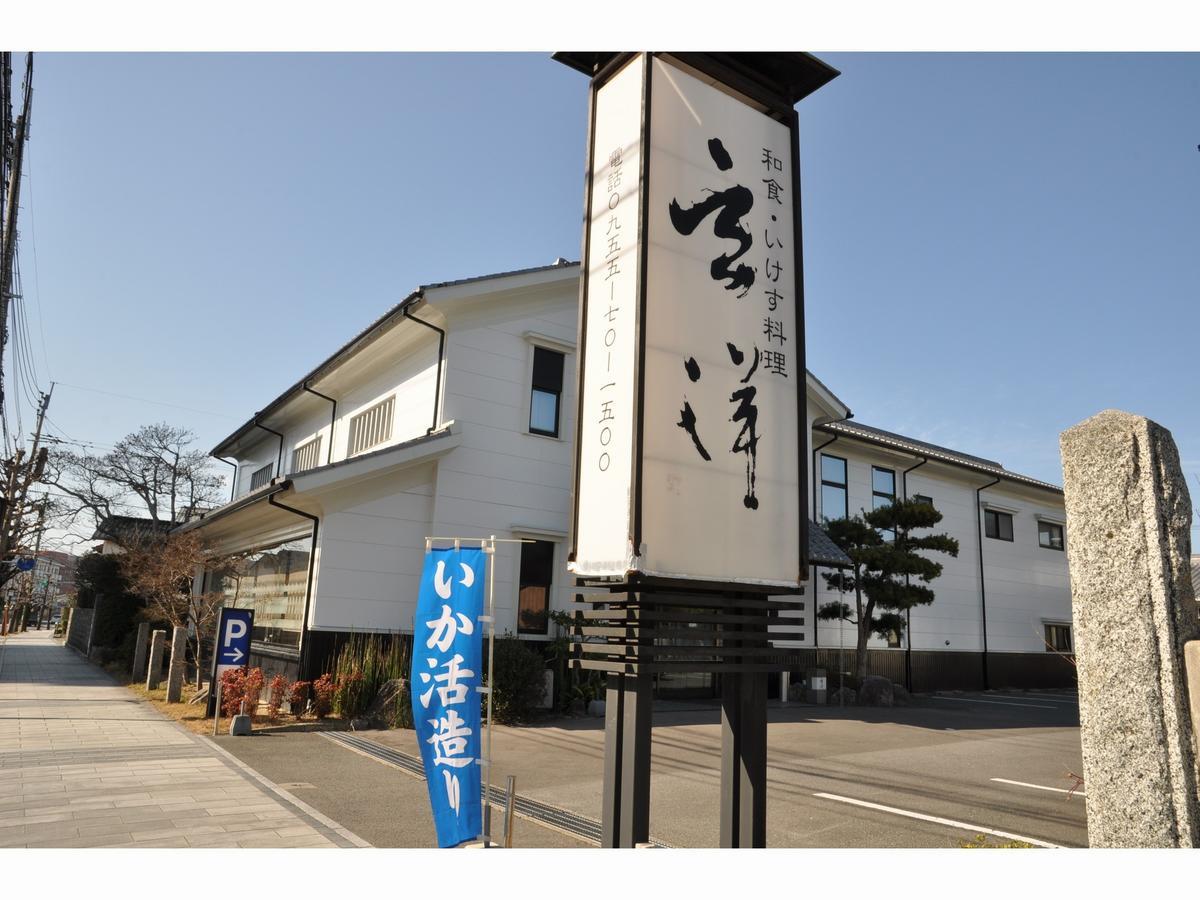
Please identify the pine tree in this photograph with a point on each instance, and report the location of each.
(890, 575)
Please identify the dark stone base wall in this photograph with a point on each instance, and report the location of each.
(935, 670)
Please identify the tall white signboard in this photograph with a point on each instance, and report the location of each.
(690, 459)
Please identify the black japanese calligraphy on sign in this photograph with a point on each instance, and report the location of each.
(732, 203)
(747, 413)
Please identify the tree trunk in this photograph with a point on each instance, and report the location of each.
(864, 634)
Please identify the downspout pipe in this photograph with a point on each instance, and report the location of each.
(332, 419)
(279, 461)
(437, 392)
(312, 562)
(233, 480)
(908, 612)
(982, 582)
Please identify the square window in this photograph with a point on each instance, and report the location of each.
(833, 469)
(545, 391)
(998, 525)
(921, 498)
(1050, 536)
(1058, 637)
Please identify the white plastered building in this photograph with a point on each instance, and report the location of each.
(453, 414)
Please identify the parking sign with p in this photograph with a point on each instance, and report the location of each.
(233, 638)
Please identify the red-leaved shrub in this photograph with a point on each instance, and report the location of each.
(278, 693)
(238, 685)
(233, 691)
(323, 690)
(252, 690)
(298, 697)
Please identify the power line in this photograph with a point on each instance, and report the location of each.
(37, 282)
(204, 412)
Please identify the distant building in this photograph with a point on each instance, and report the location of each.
(454, 415)
(117, 532)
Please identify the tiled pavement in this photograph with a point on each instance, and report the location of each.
(83, 763)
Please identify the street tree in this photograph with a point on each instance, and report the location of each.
(160, 570)
(889, 574)
(152, 473)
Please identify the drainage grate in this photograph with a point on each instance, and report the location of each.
(556, 817)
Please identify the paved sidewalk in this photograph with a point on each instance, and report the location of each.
(84, 763)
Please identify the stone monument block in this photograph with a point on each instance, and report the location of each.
(1128, 546)
(140, 650)
(154, 667)
(178, 664)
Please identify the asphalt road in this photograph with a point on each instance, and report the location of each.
(932, 775)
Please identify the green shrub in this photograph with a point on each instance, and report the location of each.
(363, 665)
(519, 681)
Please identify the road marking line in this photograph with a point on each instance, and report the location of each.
(1040, 787)
(995, 702)
(1071, 702)
(965, 826)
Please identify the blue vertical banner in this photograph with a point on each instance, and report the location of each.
(447, 667)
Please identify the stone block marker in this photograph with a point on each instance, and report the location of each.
(178, 664)
(141, 648)
(1128, 546)
(154, 667)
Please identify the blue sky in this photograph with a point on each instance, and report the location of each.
(997, 246)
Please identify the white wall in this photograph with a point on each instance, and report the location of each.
(1026, 584)
(370, 551)
(503, 480)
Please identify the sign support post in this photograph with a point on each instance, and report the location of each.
(689, 527)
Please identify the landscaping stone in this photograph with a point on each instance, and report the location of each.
(385, 709)
(178, 664)
(154, 666)
(843, 697)
(1134, 611)
(241, 725)
(140, 650)
(900, 695)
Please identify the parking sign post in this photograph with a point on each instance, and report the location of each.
(231, 649)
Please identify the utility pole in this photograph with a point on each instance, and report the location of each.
(14, 156)
(20, 475)
(37, 549)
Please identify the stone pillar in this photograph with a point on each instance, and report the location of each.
(1128, 547)
(154, 667)
(140, 649)
(178, 664)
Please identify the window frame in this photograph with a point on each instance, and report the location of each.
(843, 486)
(523, 630)
(923, 498)
(1049, 644)
(1062, 535)
(390, 403)
(315, 443)
(998, 536)
(558, 395)
(269, 469)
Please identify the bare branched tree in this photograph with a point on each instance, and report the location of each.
(153, 472)
(160, 569)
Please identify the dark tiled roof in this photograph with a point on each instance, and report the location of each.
(822, 551)
(895, 441)
(123, 528)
